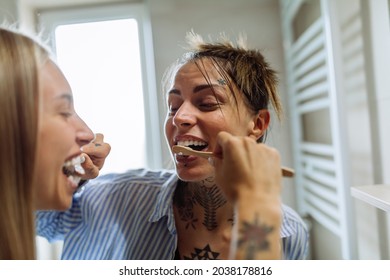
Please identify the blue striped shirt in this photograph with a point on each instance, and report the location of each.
(130, 216)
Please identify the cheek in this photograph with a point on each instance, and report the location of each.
(56, 133)
(42, 156)
(46, 172)
(54, 143)
(168, 126)
(50, 151)
(239, 125)
(226, 122)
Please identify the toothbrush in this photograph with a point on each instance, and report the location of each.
(286, 172)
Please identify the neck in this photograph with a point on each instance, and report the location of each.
(202, 205)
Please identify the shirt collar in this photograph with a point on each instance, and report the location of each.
(164, 205)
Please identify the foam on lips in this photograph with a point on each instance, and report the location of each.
(73, 169)
(73, 166)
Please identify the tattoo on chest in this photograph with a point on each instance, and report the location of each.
(209, 198)
(203, 254)
(184, 201)
(253, 235)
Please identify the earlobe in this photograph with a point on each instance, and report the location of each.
(260, 123)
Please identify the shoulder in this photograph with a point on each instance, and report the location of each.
(111, 194)
(292, 222)
(133, 177)
(295, 235)
(137, 180)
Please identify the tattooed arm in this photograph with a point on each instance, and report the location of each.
(250, 175)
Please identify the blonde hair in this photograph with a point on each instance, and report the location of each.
(246, 68)
(21, 56)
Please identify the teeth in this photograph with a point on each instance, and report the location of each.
(74, 165)
(74, 161)
(191, 143)
(79, 169)
(74, 179)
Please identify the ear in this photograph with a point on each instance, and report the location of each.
(260, 124)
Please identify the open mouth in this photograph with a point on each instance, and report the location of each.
(195, 145)
(73, 169)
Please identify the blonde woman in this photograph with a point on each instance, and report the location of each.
(41, 135)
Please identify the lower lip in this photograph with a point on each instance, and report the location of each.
(185, 159)
(71, 184)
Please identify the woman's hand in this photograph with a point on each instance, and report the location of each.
(95, 153)
(246, 166)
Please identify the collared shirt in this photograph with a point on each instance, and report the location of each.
(130, 216)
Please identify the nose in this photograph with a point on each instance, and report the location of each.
(84, 134)
(184, 117)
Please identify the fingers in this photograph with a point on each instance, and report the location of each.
(95, 154)
(253, 166)
(231, 147)
(90, 169)
(222, 138)
(97, 147)
(98, 138)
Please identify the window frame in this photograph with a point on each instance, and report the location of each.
(47, 22)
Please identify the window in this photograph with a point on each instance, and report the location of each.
(101, 62)
(103, 53)
(106, 54)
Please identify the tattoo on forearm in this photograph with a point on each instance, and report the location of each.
(253, 237)
(203, 254)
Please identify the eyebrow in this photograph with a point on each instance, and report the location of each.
(196, 89)
(66, 96)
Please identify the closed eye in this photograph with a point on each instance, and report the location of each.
(209, 106)
(66, 114)
(172, 110)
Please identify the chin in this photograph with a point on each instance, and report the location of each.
(57, 206)
(63, 205)
(64, 197)
(64, 208)
(192, 175)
